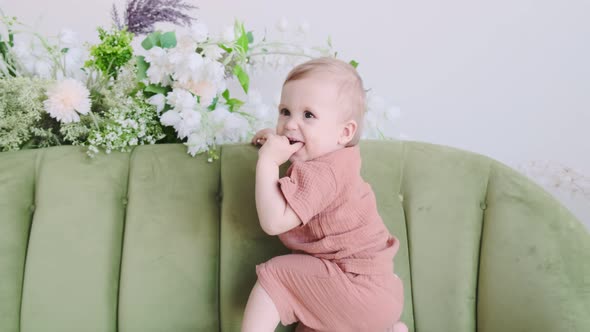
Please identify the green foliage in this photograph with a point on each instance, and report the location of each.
(233, 103)
(159, 39)
(128, 124)
(6, 43)
(242, 77)
(112, 53)
(23, 121)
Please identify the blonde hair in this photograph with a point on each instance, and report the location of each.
(351, 85)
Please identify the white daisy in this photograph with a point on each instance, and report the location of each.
(65, 100)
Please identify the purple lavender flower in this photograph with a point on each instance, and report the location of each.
(141, 15)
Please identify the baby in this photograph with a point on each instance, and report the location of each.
(340, 276)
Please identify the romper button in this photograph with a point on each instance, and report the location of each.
(483, 205)
(401, 197)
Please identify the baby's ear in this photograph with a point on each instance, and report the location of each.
(348, 132)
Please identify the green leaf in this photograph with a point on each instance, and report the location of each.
(168, 40)
(225, 48)
(64, 50)
(234, 104)
(225, 94)
(3, 48)
(354, 63)
(242, 77)
(214, 103)
(155, 88)
(142, 67)
(151, 40)
(243, 40)
(250, 37)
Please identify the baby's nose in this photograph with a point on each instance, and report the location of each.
(291, 124)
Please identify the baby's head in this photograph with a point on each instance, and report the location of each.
(323, 106)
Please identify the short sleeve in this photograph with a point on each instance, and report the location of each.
(309, 189)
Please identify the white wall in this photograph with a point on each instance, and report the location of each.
(505, 78)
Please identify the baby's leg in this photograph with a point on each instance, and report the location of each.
(398, 327)
(261, 314)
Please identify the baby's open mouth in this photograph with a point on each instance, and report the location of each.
(293, 141)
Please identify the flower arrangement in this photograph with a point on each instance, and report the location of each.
(173, 87)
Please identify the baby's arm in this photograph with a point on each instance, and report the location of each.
(274, 213)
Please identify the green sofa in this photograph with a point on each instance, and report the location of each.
(156, 240)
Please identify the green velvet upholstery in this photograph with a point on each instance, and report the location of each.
(156, 240)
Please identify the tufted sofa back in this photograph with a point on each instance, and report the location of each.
(156, 240)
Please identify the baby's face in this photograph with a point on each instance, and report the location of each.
(312, 112)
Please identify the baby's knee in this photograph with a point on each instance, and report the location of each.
(398, 327)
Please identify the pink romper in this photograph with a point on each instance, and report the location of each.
(340, 275)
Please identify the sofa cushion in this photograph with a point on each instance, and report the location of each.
(170, 263)
(17, 196)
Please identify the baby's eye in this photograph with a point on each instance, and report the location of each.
(308, 115)
(285, 112)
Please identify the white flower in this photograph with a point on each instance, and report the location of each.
(199, 32)
(65, 100)
(181, 100)
(190, 122)
(185, 43)
(160, 66)
(282, 24)
(228, 127)
(197, 143)
(206, 91)
(185, 116)
(157, 100)
(170, 118)
(206, 81)
(213, 52)
(186, 65)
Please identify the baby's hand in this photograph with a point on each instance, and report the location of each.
(278, 149)
(261, 136)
